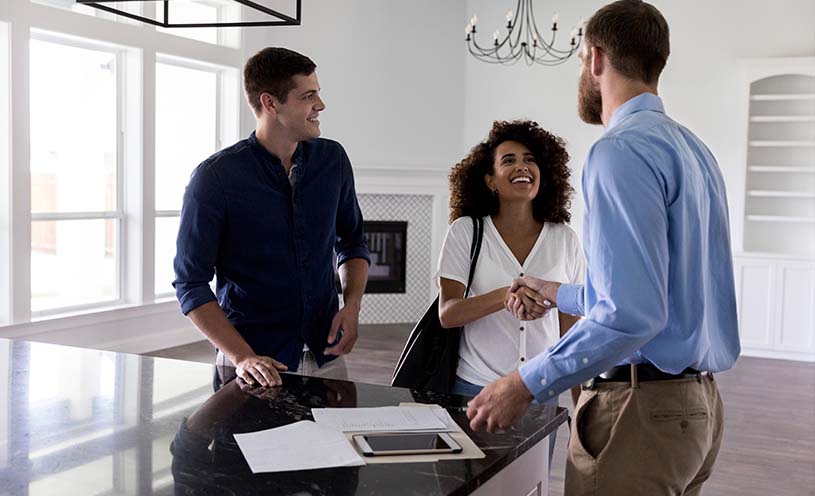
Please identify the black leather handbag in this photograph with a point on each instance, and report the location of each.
(430, 357)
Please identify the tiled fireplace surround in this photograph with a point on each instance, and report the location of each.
(420, 197)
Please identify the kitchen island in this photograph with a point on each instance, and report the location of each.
(85, 422)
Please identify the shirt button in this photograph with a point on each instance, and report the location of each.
(585, 360)
(521, 274)
(522, 328)
(551, 393)
(523, 359)
(543, 382)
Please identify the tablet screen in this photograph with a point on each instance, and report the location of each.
(406, 442)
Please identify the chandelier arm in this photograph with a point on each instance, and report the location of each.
(482, 55)
(550, 48)
(483, 51)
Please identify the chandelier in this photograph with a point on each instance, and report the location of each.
(185, 13)
(523, 40)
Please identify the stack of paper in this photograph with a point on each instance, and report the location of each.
(299, 446)
(322, 444)
(381, 419)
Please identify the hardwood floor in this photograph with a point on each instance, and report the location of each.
(769, 439)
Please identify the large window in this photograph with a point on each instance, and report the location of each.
(74, 194)
(187, 132)
(99, 133)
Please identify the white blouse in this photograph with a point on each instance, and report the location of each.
(497, 344)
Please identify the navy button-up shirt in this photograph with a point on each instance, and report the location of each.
(270, 244)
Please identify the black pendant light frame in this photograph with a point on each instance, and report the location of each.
(281, 18)
(524, 40)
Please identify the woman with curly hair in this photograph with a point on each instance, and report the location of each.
(518, 182)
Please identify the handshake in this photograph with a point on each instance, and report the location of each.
(530, 298)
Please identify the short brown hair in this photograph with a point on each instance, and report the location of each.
(271, 71)
(470, 196)
(634, 36)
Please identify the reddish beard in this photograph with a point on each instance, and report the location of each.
(589, 100)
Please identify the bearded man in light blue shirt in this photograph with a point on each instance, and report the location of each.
(659, 299)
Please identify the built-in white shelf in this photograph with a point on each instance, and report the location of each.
(782, 96)
(783, 144)
(806, 169)
(780, 194)
(781, 218)
(776, 268)
(782, 118)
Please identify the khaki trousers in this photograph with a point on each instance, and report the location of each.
(656, 438)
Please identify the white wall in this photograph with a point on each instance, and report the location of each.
(700, 86)
(402, 92)
(391, 73)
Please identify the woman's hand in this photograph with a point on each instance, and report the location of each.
(532, 304)
(525, 303)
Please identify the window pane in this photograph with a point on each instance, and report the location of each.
(186, 101)
(166, 232)
(73, 262)
(73, 129)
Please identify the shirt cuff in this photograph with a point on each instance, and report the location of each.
(194, 298)
(347, 255)
(536, 383)
(570, 298)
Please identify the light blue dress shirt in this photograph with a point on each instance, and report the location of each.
(659, 285)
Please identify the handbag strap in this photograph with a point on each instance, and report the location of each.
(475, 249)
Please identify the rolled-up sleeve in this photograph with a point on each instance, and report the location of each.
(203, 215)
(350, 235)
(627, 291)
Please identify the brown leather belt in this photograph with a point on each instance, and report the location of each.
(646, 372)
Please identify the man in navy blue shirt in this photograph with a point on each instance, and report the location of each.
(659, 299)
(266, 215)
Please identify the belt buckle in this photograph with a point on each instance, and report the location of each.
(588, 385)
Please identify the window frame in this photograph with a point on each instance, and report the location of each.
(224, 133)
(118, 214)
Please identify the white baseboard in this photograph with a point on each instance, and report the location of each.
(778, 355)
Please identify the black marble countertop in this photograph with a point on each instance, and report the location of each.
(83, 422)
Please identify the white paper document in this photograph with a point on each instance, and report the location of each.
(299, 446)
(385, 419)
(441, 413)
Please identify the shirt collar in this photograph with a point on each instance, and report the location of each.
(643, 101)
(298, 152)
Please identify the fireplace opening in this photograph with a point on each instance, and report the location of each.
(387, 244)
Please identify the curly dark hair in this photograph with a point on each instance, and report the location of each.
(470, 196)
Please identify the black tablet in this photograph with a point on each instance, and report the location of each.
(406, 443)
